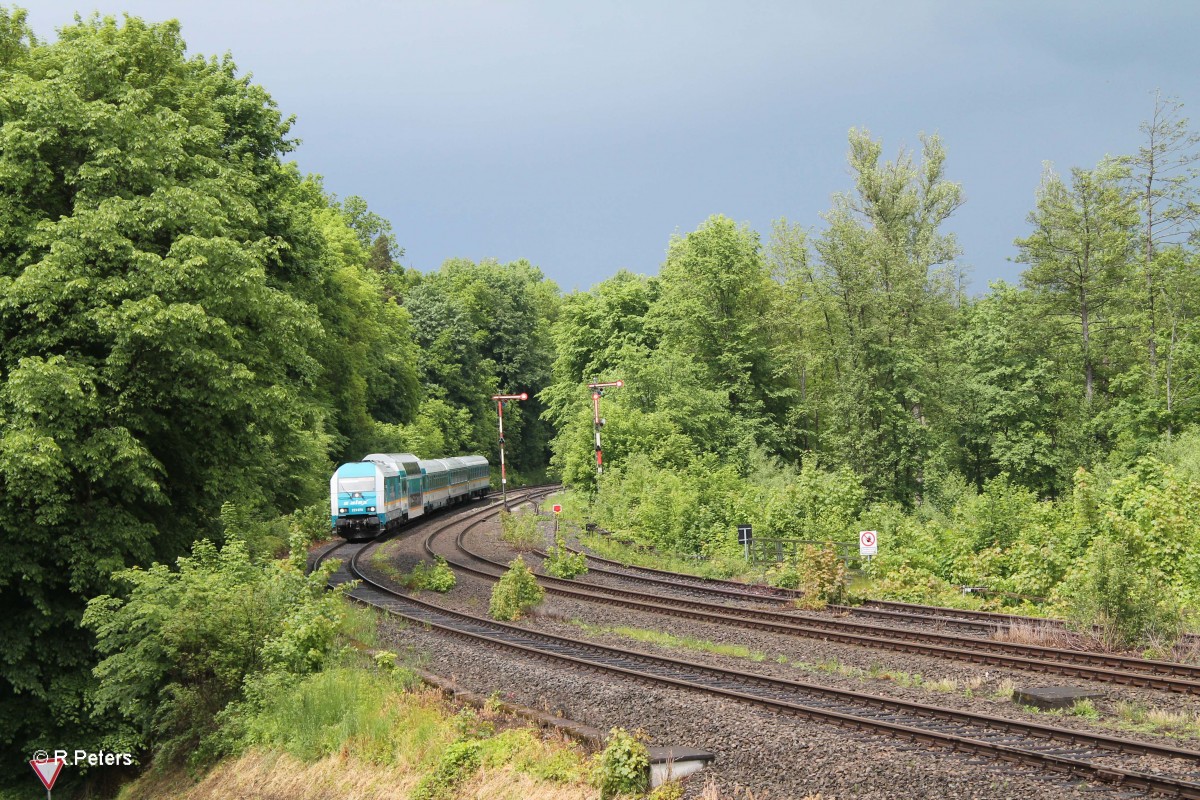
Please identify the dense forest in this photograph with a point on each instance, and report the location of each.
(195, 332)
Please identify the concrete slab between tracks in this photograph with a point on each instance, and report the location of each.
(1052, 697)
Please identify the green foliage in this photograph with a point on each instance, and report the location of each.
(470, 726)
(458, 762)
(562, 563)
(436, 578)
(822, 575)
(481, 328)
(515, 593)
(623, 767)
(1085, 709)
(1079, 247)
(184, 645)
(1107, 592)
(526, 752)
(344, 707)
(885, 289)
(521, 529)
(186, 326)
(671, 790)
(784, 575)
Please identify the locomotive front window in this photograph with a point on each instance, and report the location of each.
(353, 485)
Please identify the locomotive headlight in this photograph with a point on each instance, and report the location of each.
(370, 508)
(342, 510)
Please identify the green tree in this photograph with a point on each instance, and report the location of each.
(1009, 408)
(896, 282)
(1163, 175)
(484, 329)
(166, 300)
(1079, 254)
(716, 295)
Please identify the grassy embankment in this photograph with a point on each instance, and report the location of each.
(366, 728)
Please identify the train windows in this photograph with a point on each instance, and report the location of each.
(352, 485)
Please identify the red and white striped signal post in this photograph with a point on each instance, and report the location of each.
(597, 391)
(501, 399)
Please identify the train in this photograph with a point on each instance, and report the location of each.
(385, 490)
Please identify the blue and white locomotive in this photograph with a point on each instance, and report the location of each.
(385, 490)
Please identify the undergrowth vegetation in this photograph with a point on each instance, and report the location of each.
(437, 577)
(562, 563)
(1119, 554)
(623, 767)
(515, 593)
(521, 529)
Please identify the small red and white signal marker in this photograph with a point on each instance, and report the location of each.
(47, 770)
(556, 508)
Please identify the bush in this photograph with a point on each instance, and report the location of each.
(459, 762)
(623, 767)
(1110, 594)
(436, 578)
(784, 575)
(515, 593)
(184, 645)
(561, 563)
(521, 529)
(822, 575)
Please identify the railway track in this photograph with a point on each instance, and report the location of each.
(764, 594)
(983, 621)
(1159, 675)
(1129, 764)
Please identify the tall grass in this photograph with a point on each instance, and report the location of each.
(350, 709)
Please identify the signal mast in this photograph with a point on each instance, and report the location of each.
(597, 392)
(501, 399)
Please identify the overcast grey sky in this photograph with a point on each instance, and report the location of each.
(581, 135)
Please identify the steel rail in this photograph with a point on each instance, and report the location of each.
(1179, 678)
(751, 592)
(832, 706)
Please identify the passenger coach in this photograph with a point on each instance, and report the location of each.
(385, 490)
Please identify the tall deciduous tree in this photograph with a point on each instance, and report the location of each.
(895, 279)
(166, 298)
(715, 304)
(1163, 174)
(1079, 252)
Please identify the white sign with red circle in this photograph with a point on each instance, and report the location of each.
(556, 508)
(868, 543)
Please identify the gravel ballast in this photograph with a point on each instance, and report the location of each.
(771, 755)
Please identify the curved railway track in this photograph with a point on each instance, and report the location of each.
(1160, 675)
(1129, 764)
(984, 621)
(762, 594)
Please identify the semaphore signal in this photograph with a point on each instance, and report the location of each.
(597, 391)
(501, 399)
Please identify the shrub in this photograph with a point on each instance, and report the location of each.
(561, 563)
(623, 767)
(184, 645)
(460, 760)
(784, 575)
(436, 578)
(521, 529)
(1110, 594)
(822, 575)
(516, 592)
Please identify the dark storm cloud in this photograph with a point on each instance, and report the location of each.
(581, 135)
